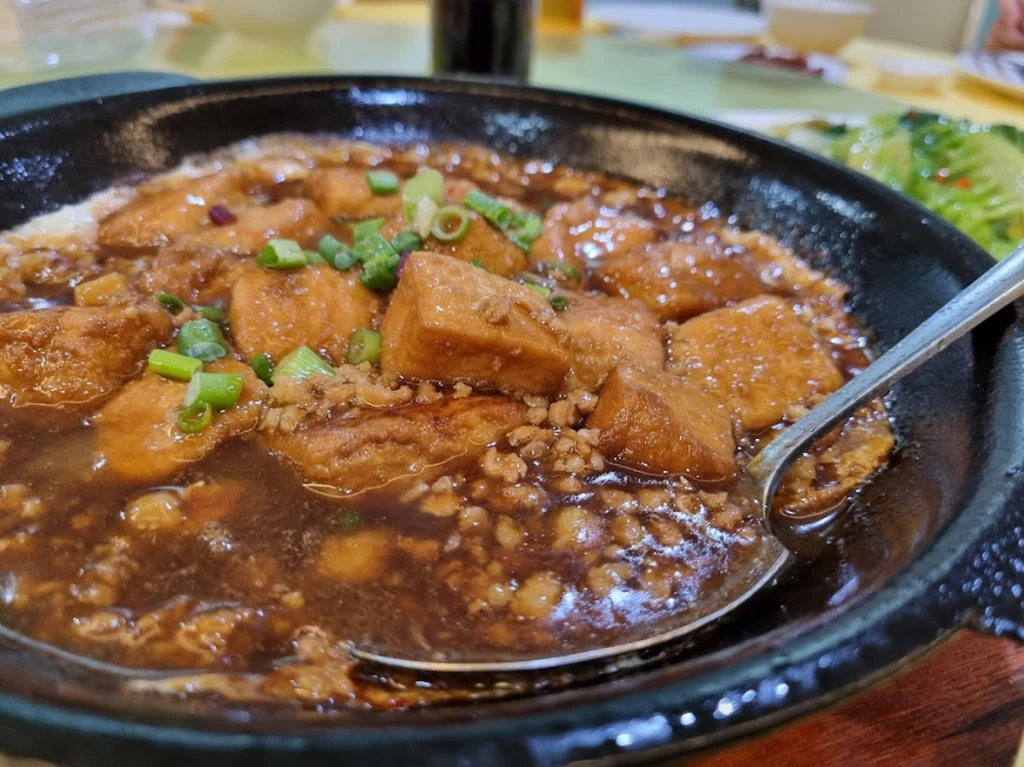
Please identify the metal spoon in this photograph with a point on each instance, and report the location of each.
(791, 537)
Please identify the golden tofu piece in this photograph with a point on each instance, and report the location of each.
(656, 422)
(449, 321)
(769, 360)
(606, 331)
(485, 244)
(581, 231)
(137, 434)
(204, 276)
(376, 447)
(158, 218)
(67, 357)
(276, 311)
(678, 280)
(345, 192)
(291, 219)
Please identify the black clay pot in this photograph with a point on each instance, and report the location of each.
(935, 544)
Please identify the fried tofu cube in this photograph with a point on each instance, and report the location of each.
(495, 252)
(137, 434)
(656, 422)
(291, 219)
(757, 357)
(345, 192)
(678, 280)
(162, 216)
(276, 311)
(374, 448)
(580, 232)
(449, 321)
(605, 331)
(69, 357)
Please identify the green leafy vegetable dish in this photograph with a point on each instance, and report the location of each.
(973, 175)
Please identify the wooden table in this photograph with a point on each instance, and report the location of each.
(961, 706)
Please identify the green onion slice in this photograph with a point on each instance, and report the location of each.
(211, 313)
(165, 363)
(540, 290)
(477, 263)
(313, 257)
(493, 211)
(214, 389)
(194, 419)
(559, 303)
(382, 181)
(364, 346)
(424, 217)
(373, 246)
(336, 253)
(348, 521)
(201, 340)
(282, 254)
(363, 229)
(380, 274)
(263, 366)
(568, 270)
(301, 363)
(428, 184)
(451, 224)
(172, 303)
(406, 242)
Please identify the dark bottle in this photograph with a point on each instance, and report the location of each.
(482, 37)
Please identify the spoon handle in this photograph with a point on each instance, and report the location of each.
(999, 286)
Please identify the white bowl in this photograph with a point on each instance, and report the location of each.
(819, 26)
(269, 19)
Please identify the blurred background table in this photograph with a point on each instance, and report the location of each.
(964, 704)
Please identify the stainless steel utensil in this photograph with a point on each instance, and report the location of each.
(791, 537)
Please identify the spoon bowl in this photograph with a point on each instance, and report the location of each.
(787, 538)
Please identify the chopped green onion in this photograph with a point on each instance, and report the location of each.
(214, 389)
(373, 246)
(348, 521)
(363, 229)
(313, 257)
(201, 340)
(211, 313)
(195, 418)
(424, 217)
(526, 227)
(559, 303)
(282, 254)
(364, 346)
(540, 290)
(263, 366)
(451, 224)
(301, 363)
(172, 303)
(477, 263)
(493, 211)
(528, 278)
(382, 181)
(173, 365)
(560, 266)
(336, 253)
(380, 274)
(406, 242)
(428, 184)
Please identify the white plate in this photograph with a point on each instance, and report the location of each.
(674, 20)
(832, 69)
(1003, 72)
